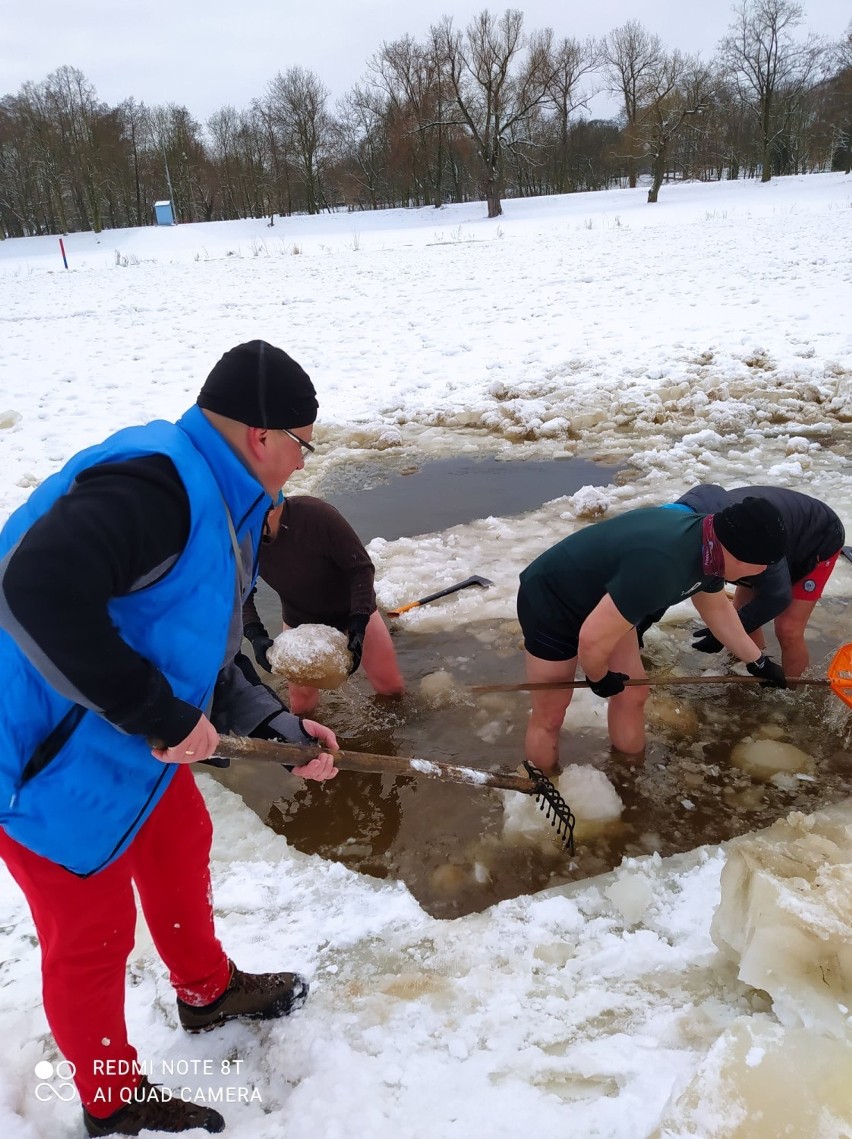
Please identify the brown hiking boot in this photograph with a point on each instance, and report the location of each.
(249, 996)
(153, 1108)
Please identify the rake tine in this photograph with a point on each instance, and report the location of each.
(556, 811)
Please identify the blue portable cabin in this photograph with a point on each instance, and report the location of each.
(163, 213)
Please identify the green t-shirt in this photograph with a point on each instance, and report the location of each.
(646, 559)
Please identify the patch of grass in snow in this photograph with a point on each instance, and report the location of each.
(456, 237)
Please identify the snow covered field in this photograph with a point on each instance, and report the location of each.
(706, 338)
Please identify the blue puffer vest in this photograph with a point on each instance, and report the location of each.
(84, 807)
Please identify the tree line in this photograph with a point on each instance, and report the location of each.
(486, 112)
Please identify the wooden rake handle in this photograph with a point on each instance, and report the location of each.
(556, 811)
(269, 751)
(545, 686)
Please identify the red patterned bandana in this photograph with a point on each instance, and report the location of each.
(712, 556)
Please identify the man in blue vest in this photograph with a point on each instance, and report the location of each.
(121, 587)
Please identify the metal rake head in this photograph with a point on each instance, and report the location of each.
(556, 810)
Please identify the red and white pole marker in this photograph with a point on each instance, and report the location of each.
(62, 251)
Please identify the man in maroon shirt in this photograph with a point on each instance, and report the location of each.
(318, 566)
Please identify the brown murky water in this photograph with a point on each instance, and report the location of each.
(445, 841)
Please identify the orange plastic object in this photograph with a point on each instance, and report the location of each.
(840, 674)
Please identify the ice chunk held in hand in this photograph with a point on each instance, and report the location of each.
(313, 655)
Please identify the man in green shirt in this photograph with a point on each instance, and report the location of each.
(580, 601)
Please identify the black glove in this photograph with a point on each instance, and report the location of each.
(261, 642)
(267, 730)
(609, 685)
(356, 629)
(770, 673)
(705, 642)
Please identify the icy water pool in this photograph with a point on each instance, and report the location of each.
(382, 502)
(446, 842)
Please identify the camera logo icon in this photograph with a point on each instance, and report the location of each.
(62, 1074)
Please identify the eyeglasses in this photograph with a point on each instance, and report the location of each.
(303, 443)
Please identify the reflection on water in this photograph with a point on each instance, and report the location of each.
(446, 841)
(380, 503)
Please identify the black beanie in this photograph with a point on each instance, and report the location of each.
(261, 386)
(752, 531)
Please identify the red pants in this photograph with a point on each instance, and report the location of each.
(86, 931)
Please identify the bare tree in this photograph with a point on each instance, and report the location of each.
(239, 159)
(680, 93)
(497, 80)
(176, 135)
(633, 58)
(842, 100)
(73, 106)
(31, 180)
(281, 192)
(25, 185)
(413, 78)
(298, 99)
(134, 120)
(772, 70)
(364, 174)
(571, 61)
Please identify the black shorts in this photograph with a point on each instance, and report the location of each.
(543, 638)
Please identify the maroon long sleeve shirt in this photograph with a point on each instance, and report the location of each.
(317, 565)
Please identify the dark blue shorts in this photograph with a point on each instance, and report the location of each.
(543, 638)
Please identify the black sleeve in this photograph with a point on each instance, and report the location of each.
(121, 524)
(773, 592)
(250, 613)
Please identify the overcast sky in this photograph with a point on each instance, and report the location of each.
(207, 54)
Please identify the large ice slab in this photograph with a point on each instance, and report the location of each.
(763, 1081)
(785, 917)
